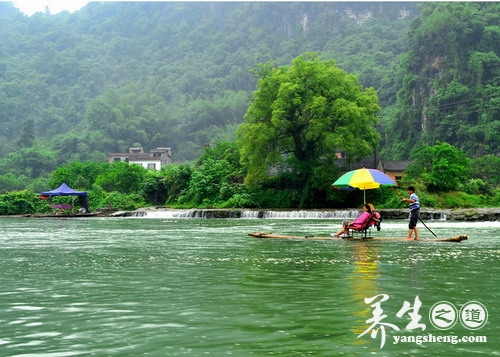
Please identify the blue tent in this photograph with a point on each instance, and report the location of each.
(63, 190)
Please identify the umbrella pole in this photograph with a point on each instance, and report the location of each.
(397, 193)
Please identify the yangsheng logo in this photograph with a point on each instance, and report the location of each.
(473, 315)
(443, 315)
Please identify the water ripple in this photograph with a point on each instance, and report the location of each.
(200, 287)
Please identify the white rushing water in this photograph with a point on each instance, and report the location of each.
(252, 214)
(257, 214)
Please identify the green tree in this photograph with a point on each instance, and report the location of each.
(441, 167)
(32, 162)
(12, 182)
(27, 137)
(122, 177)
(153, 188)
(299, 117)
(487, 168)
(79, 175)
(216, 177)
(176, 180)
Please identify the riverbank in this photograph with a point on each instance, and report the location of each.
(469, 214)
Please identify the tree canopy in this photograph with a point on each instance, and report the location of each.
(441, 167)
(300, 116)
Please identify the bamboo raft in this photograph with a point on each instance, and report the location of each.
(281, 236)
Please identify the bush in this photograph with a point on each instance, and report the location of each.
(495, 201)
(431, 201)
(21, 202)
(121, 201)
(462, 200)
(122, 177)
(478, 187)
(240, 200)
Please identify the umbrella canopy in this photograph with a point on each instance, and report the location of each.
(63, 190)
(363, 179)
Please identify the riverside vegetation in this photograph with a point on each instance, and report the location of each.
(216, 180)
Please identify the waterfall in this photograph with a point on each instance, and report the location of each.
(486, 214)
(246, 214)
(306, 214)
(439, 216)
(176, 213)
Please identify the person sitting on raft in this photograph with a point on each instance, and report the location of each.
(357, 224)
(376, 217)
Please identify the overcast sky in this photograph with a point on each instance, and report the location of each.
(29, 7)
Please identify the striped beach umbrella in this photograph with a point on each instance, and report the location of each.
(363, 179)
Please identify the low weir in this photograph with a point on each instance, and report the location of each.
(339, 214)
(247, 213)
(472, 214)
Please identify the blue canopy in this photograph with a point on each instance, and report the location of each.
(63, 190)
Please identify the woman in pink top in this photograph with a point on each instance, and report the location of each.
(357, 224)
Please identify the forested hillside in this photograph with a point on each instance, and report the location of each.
(450, 81)
(115, 75)
(77, 86)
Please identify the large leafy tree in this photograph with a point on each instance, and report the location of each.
(216, 176)
(122, 177)
(299, 117)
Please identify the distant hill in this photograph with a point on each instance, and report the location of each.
(172, 74)
(120, 74)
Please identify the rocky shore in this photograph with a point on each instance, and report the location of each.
(469, 214)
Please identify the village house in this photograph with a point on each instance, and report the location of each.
(152, 160)
(393, 169)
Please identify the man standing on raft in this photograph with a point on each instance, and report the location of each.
(414, 211)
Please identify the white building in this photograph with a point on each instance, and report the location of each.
(152, 160)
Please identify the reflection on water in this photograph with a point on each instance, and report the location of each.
(167, 287)
(364, 283)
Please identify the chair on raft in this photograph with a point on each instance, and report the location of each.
(365, 231)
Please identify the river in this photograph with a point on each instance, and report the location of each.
(203, 287)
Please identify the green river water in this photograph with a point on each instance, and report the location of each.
(203, 287)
